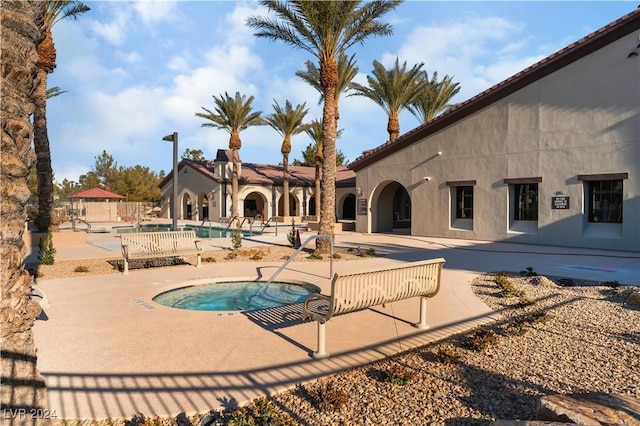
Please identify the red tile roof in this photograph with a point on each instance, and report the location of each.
(266, 174)
(97, 193)
(581, 48)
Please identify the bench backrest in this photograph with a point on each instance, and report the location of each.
(157, 243)
(357, 291)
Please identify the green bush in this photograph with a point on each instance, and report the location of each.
(236, 238)
(291, 236)
(47, 250)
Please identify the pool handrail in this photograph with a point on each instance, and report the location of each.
(302, 246)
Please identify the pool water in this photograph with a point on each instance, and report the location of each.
(235, 296)
(201, 232)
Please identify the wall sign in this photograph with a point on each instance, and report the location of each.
(559, 203)
(362, 207)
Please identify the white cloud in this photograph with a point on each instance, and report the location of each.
(153, 12)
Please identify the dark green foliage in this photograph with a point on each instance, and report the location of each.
(47, 250)
(236, 238)
(291, 236)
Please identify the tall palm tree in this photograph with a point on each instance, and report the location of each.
(325, 29)
(54, 11)
(287, 122)
(232, 115)
(23, 386)
(315, 133)
(347, 70)
(435, 98)
(394, 90)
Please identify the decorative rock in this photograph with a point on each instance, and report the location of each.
(634, 298)
(590, 409)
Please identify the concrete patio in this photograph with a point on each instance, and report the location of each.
(107, 350)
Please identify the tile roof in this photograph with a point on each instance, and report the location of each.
(579, 49)
(97, 193)
(265, 174)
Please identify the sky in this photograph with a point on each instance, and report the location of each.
(137, 71)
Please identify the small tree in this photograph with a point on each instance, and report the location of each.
(47, 250)
(236, 238)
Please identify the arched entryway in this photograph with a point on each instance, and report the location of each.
(348, 209)
(293, 206)
(391, 208)
(186, 207)
(255, 204)
(203, 206)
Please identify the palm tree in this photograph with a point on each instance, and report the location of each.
(315, 133)
(23, 386)
(54, 11)
(325, 29)
(347, 70)
(435, 98)
(232, 115)
(394, 90)
(287, 122)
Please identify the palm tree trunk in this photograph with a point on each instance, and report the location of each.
(285, 183)
(234, 183)
(43, 153)
(328, 193)
(318, 189)
(23, 388)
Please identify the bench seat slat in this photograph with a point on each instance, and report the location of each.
(143, 245)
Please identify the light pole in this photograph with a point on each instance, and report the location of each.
(73, 218)
(174, 206)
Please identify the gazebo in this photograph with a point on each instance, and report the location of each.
(97, 194)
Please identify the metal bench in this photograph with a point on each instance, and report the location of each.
(142, 245)
(358, 291)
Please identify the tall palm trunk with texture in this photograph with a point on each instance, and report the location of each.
(328, 80)
(235, 144)
(47, 54)
(286, 149)
(23, 388)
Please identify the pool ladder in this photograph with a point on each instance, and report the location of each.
(302, 246)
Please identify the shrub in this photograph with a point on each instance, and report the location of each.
(481, 340)
(47, 250)
(507, 289)
(236, 238)
(337, 256)
(399, 374)
(81, 268)
(446, 356)
(612, 284)
(260, 412)
(529, 272)
(291, 236)
(209, 259)
(232, 255)
(315, 255)
(327, 396)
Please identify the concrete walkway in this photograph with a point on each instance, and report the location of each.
(107, 350)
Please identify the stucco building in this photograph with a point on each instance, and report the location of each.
(549, 156)
(204, 191)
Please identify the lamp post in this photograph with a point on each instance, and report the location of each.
(72, 212)
(174, 206)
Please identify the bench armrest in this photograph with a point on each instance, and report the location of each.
(317, 307)
(125, 251)
(198, 246)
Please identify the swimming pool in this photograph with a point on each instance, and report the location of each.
(235, 295)
(202, 232)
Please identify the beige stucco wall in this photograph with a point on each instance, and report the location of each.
(582, 119)
(197, 185)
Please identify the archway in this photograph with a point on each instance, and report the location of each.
(293, 206)
(255, 204)
(391, 208)
(349, 207)
(186, 207)
(203, 206)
